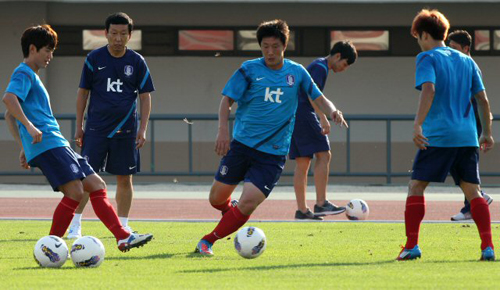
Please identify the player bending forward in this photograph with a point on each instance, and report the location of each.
(266, 90)
(31, 122)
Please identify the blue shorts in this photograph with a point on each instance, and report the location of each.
(245, 163)
(117, 156)
(307, 138)
(435, 163)
(62, 165)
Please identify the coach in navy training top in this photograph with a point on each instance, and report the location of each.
(113, 75)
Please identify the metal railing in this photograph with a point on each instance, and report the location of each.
(388, 174)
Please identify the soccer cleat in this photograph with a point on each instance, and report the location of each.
(309, 215)
(488, 198)
(328, 208)
(204, 248)
(74, 232)
(135, 240)
(234, 203)
(409, 254)
(461, 216)
(130, 230)
(488, 254)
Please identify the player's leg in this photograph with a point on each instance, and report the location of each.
(94, 150)
(65, 210)
(321, 174)
(123, 161)
(300, 185)
(220, 196)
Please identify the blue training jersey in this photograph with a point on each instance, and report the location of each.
(267, 100)
(456, 77)
(114, 85)
(318, 70)
(35, 102)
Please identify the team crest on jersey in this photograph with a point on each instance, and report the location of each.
(290, 80)
(128, 70)
(223, 170)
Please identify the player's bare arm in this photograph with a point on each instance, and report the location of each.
(323, 119)
(145, 99)
(424, 105)
(486, 141)
(82, 96)
(11, 123)
(14, 108)
(222, 140)
(327, 107)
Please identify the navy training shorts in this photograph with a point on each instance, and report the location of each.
(61, 165)
(117, 156)
(307, 138)
(245, 163)
(435, 163)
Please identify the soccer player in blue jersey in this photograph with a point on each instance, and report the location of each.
(462, 41)
(31, 122)
(113, 76)
(266, 90)
(445, 129)
(310, 135)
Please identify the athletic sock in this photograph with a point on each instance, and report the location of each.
(124, 221)
(229, 224)
(63, 215)
(77, 220)
(225, 207)
(481, 215)
(107, 214)
(414, 214)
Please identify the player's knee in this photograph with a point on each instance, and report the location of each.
(248, 206)
(416, 188)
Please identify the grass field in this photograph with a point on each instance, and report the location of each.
(298, 256)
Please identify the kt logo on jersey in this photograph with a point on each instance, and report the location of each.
(115, 87)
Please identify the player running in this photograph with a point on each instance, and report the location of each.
(266, 90)
(31, 122)
(113, 76)
(445, 129)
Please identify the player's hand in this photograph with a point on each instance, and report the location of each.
(23, 161)
(141, 139)
(325, 125)
(486, 143)
(35, 134)
(79, 137)
(419, 139)
(222, 143)
(338, 118)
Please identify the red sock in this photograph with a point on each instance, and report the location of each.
(481, 215)
(229, 224)
(107, 214)
(225, 207)
(63, 215)
(414, 214)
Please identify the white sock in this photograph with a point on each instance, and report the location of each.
(124, 221)
(77, 220)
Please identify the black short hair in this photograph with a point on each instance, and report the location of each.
(40, 36)
(346, 50)
(274, 28)
(461, 37)
(120, 18)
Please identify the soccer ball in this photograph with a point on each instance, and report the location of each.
(51, 252)
(250, 242)
(87, 251)
(357, 209)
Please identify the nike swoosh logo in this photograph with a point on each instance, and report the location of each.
(131, 167)
(100, 68)
(265, 186)
(58, 245)
(258, 79)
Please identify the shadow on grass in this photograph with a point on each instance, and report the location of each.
(18, 240)
(279, 267)
(151, 257)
